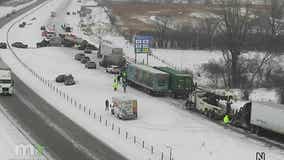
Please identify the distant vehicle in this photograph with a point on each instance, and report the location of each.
(91, 65)
(79, 56)
(125, 108)
(43, 43)
(68, 13)
(52, 14)
(19, 45)
(22, 25)
(6, 81)
(73, 13)
(3, 45)
(48, 34)
(42, 28)
(113, 59)
(113, 69)
(85, 59)
(85, 44)
(69, 80)
(68, 29)
(91, 46)
(60, 78)
(88, 50)
(55, 42)
(66, 79)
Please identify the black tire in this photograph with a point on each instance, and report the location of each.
(258, 131)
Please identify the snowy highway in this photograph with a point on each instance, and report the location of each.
(161, 122)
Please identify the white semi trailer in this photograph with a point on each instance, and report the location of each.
(6, 81)
(269, 116)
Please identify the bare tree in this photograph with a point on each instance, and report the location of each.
(234, 28)
(271, 26)
(162, 27)
(209, 25)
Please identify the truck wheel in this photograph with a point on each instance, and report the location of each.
(252, 129)
(258, 131)
(210, 115)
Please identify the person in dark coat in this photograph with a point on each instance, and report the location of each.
(107, 105)
(118, 78)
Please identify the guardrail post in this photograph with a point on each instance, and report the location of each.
(143, 144)
(118, 130)
(112, 126)
(134, 139)
(100, 118)
(94, 115)
(126, 135)
(106, 122)
(152, 149)
(162, 157)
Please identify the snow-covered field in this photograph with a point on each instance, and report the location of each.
(4, 10)
(161, 122)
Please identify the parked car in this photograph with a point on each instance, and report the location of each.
(69, 80)
(113, 69)
(43, 43)
(19, 45)
(85, 59)
(79, 56)
(91, 65)
(92, 47)
(3, 45)
(68, 13)
(42, 28)
(88, 50)
(60, 78)
(68, 29)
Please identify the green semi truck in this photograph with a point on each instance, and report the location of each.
(148, 79)
(180, 83)
(160, 80)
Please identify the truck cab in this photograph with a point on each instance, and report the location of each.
(6, 82)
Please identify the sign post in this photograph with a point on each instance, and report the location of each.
(142, 46)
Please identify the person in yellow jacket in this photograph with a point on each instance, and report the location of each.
(226, 119)
(115, 86)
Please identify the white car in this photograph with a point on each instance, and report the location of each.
(113, 69)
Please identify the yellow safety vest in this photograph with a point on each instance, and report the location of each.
(226, 119)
